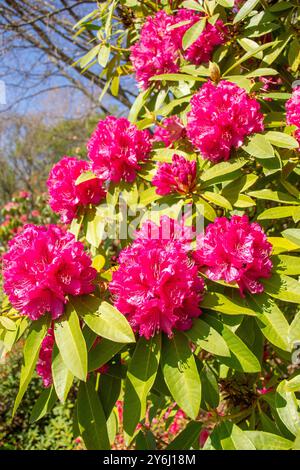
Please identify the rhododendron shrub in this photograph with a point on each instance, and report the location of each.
(170, 296)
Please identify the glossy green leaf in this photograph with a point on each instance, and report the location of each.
(193, 33)
(267, 441)
(109, 391)
(293, 235)
(245, 9)
(187, 437)
(43, 405)
(204, 335)
(258, 146)
(70, 342)
(287, 408)
(181, 374)
(37, 332)
(91, 418)
(283, 287)
(280, 139)
(233, 438)
(140, 378)
(223, 304)
(62, 377)
(103, 352)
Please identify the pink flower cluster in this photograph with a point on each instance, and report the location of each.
(65, 196)
(293, 112)
(178, 176)
(42, 267)
(160, 46)
(235, 251)
(169, 131)
(116, 149)
(222, 116)
(44, 363)
(157, 285)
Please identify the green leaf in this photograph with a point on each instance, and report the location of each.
(261, 72)
(282, 245)
(279, 212)
(287, 408)
(62, 377)
(233, 438)
(145, 440)
(103, 56)
(267, 441)
(87, 58)
(193, 33)
(268, 194)
(258, 146)
(176, 77)
(43, 405)
(37, 332)
(245, 10)
(294, 331)
(210, 388)
(109, 391)
(293, 235)
(103, 319)
(242, 358)
(217, 172)
(139, 380)
(204, 335)
(91, 418)
(280, 139)
(85, 176)
(223, 304)
(70, 342)
(102, 353)
(181, 374)
(217, 199)
(138, 105)
(187, 437)
(293, 385)
(286, 264)
(283, 288)
(271, 320)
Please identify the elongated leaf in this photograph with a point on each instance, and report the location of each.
(277, 213)
(271, 321)
(283, 245)
(274, 196)
(242, 358)
(104, 319)
(109, 391)
(187, 437)
(217, 199)
(267, 441)
(293, 385)
(259, 147)
(244, 11)
(287, 408)
(181, 374)
(286, 264)
(280, 139)
(102, 353)
(233, 438)
(37, 332)
(230, 306)
(140, 378)
(71, 344)
(43, 405)
(177, 77)
(293, 235)
(91, 418)
(145, 441)
(294, 331)
(218, 171)
(283, 287)
(62, 377)
(193, 33)
(210, 388)
(204, 335)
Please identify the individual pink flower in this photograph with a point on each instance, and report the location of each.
(42, 267)
(156, 285)
(293, 112)
(156, 52)
(24, 195)
(235, 251)
(44, 363)
(170, 130)
(178, 176)
(117, 148)
(65, 196)
(222, 116)
(35, 213)
(212, 36)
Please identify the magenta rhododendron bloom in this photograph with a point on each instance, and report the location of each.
(157, 285)
(235, 251)
(160, 46)
(116, 149)
(65, 196)
(42, 267)
(293, 111)
(211, 37)
(169, 131)
(178, 176)
(222, 116)
(44, 363)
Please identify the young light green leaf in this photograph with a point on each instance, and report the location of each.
(283, 287)
(193, 33)
(244, 11)
(287, 408)
(280, 139)
(293, 235)
(223, 304)
(62, 377)
(43, 405)
(279, 212)
(267, 441)
(204, 335)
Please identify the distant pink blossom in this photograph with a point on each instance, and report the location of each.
(65, 196)
(44, 363)
(222, 116)
(178, 176)
(35, 213)
(116, 149)
(170, 130)
(235, 251)
(156, 285)
(42, 267)
(24, 195)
